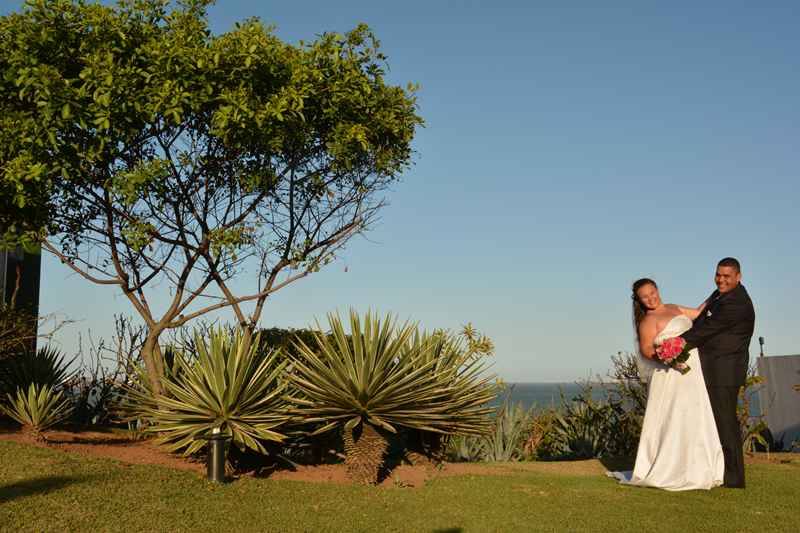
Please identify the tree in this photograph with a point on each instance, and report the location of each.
(139, 148)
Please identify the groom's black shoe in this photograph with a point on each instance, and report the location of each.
(733, 485)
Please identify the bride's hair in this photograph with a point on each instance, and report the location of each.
(639, 310)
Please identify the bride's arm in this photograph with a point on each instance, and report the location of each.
(647, 336)
(692, 312)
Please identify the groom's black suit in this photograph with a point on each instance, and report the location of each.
(722, 333)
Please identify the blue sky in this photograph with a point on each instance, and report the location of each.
(569, 148)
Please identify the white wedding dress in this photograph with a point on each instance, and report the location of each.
(679, 448)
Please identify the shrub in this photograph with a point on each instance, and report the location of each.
(754, 429)
(627, 387)
(382, 378)
(540, 441)
(581, 431)
(224, 385)
(17, 330)
(451, 353)
(585, 428)
(46, 366)
(505, 441)
(37, 409)
(286, 339)
(466, 449)
(96, 394)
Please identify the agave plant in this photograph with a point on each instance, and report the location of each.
(466, 448)
(376, 380)
(37, 409)
(46, 366)
(228, 385)
(504, 442)
(456, 358)
(583, 429)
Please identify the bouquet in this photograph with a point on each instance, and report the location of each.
(673, 353)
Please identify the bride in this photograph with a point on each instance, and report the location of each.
(679, 448)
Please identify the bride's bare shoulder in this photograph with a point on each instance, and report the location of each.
(649, 322)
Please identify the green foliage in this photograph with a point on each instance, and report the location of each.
(510, 425)
(582, 427)
(96, 395)
(627, 388)
(504, 442)
(582, 430)
(287, 340)
(465, 449)
(225, 384)
(46, 366)
(95, 95)
(145, 150)
(753, 428)
(389, 377)
(541, 441)
(17, 330)
(37, 408)
(586, 427)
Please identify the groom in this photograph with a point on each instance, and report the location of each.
(722, 333)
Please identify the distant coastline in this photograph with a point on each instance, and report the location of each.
(544, 395)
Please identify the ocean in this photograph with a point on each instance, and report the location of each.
(545, 395)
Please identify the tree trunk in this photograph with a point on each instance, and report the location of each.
(153, 360)
(248, 335)
(365, 448)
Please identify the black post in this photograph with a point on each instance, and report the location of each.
(216, 457)
(761, 343)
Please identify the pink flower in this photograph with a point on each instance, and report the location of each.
(670, 349)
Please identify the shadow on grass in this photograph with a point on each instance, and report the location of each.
(617, 464)
(89, 440)
(39, 485)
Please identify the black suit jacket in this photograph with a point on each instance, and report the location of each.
(722, 333)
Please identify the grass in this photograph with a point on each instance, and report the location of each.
(48, 490)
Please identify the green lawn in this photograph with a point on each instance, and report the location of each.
(48, 490)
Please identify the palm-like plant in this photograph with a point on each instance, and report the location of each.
(38, 408)
(379, 379)
(46, 366)
(456, 358)
(227, 385)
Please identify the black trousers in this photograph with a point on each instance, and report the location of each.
(723, 403)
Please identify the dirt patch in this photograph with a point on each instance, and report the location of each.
(106, 444)
(761, 458)
(118, 446)
(111, 445)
